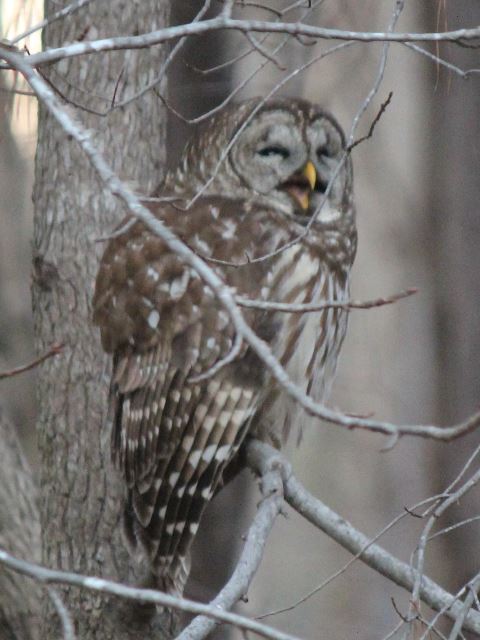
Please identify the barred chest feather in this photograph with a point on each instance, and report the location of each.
(307, 344)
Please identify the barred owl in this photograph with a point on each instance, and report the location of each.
(174, 439)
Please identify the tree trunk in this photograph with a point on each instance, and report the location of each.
(453, 237)
(20, 535)
(80, 494)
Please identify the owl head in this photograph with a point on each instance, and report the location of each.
(282, 153)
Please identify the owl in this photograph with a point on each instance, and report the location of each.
(262, 171)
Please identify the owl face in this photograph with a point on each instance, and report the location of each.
(284, 157)
(289, 156)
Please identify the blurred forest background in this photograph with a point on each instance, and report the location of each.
(417, 192)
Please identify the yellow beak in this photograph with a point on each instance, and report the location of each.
(311, 175)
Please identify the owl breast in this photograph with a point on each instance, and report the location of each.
(306, 344)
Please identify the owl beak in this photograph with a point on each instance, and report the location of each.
(301, 185)
(310, 173)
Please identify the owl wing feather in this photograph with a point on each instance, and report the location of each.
(172, 439)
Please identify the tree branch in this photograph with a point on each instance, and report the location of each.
(54, 350)
(337, 528)
(326, 304)
(51, 576)
(276, 473)
(257, 26)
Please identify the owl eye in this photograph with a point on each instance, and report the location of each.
(330, 148)
(325, 151)
(274, 150)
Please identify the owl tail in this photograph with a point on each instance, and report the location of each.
(173, 580)
(170, 578)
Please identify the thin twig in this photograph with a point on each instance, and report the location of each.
(452, 527)
(440, 509)
(58, 15)
(375, 121)
(19, 92)
(264, 52)
(63, 614)
(451, 497)
(54, 350)
(241, 85)
(463, 73)
(222, 362)
(473, 587)
(327, 304)
(165, 66)
(357, 556)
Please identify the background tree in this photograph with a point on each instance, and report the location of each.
(79, 515)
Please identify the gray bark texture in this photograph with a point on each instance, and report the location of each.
(20, 535)
(80, 494)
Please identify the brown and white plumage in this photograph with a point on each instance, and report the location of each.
(173, 438)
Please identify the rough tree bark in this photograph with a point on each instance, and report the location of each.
(79, 495)
(20, 534)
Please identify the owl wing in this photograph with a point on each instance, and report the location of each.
(172, 438)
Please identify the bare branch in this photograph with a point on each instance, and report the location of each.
(347, 565)
(58, 15)
(222, 362)
(18, 92)
(171, 56)
(244, 82)
(54, 350)
(453, 498)
(295, 28)
(440, 61)
(228, 8)
(67, 624)
(264, 52)
(337, 528)
(452, 527)
(327, 304)
(51, 576)
(473, 587)
(375, 121)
